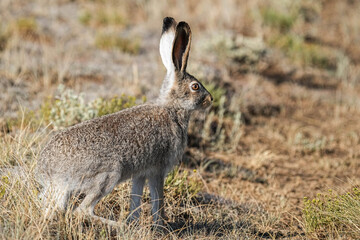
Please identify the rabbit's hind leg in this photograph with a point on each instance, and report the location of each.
(87, 207)
(102, 185)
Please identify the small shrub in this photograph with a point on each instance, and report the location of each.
(85, 17)
(69, 108)
(237, 48)
(25, 119)
(101, 18)
(310, 10)
(273, 18)
(332, 213)
(312, 145)
(220, 131)
(115, 104)
(4, 37)
(4, 181)
(319, 56)
(109, 41)
(304, 53)
(179, 183)
(104, 18)
(25, 27)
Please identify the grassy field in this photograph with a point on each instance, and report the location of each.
(276, 157)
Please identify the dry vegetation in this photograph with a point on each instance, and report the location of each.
(284, 128)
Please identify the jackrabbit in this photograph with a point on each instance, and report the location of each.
(142, 142)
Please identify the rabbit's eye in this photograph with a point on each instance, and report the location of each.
(195, 86)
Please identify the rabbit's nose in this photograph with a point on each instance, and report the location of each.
(211, 98)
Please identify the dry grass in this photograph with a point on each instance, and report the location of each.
(333, 214)
(285, 77)
(190, 213)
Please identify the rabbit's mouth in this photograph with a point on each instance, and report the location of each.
(207, 102)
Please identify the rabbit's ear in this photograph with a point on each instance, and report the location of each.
(181, 47)
(166, 42)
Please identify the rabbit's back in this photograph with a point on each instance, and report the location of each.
(130, 142)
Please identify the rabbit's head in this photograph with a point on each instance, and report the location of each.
(179, 88)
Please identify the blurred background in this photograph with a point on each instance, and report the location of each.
(285, 76)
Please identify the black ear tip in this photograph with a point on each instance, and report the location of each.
(168, 20)
(167, 23)
(185, 26)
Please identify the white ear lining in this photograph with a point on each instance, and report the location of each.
(166, 45)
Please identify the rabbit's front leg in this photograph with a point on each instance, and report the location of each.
(156, 183)
(136, 194)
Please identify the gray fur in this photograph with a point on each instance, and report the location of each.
(143, 142)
